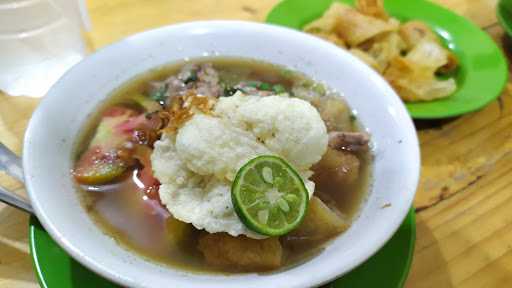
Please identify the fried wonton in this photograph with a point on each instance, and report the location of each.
(413, 76)
(373, 8)
(385, 48)
(408, 55)
(349, 25)
(356, 28)
(366, 58)
(413, 32)
(325, 26)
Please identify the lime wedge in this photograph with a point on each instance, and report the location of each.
(269, 196)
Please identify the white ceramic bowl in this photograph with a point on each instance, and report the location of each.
(49, 141)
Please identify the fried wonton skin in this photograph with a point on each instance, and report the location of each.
(240, 253)
(385, 48)
(356, 28)
(413, 76)
(328, 22)
(414, 32)
(349, 25)
(333, 38)
(366, 58)
(373, 8)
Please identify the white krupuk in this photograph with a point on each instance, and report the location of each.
(197, 166)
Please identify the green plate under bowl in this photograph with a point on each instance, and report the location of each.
(504, 13)
(388, 268)
(481, 76)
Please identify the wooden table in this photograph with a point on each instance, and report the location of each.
(464, 200)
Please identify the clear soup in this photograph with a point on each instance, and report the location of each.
(128, 207)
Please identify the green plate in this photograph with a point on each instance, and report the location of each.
(483, 69)
(504, 13)
(388, 268)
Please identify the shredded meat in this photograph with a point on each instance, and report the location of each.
(349, 141)
(208, 81)
(202, 80)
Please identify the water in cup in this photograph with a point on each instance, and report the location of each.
(39, 41)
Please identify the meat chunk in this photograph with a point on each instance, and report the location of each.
(336, 169)
(349, 141)
(208, 81)
(320, 224)
(197, 79)
(240, 253)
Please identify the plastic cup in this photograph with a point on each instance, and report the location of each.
(39, 41)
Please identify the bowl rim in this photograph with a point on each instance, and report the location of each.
(312, 280)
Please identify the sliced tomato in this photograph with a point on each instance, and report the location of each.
(97, 167)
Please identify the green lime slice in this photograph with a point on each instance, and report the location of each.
(269, 196)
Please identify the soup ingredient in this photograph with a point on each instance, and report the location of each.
(147, 104)
(335, 113)
(192, 198)
(199, 79)
(269, 196)
(210, 146)
(197, 164)
(336, 169)
(111, 149)
(409, 55)
(349, 141)
(194, 144)
(178, 233)
(103, 161)
(98, 167)
(289, 127)
(320, 223)
(241, 253)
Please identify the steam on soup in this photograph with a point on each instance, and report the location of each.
(155, 165)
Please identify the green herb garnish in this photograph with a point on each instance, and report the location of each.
(192, 77)
(278, 88)
(159, 94)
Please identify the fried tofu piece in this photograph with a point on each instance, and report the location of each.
(241, 253)
(320, 224)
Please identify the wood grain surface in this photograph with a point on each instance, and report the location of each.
(464, 201)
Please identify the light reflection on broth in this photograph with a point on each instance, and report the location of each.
(147, 228)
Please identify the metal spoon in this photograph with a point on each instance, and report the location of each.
(11, 164)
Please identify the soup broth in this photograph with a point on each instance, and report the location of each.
(130, 211)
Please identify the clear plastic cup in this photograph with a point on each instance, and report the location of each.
(39, 41)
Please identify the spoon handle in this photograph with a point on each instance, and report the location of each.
(10, 163)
